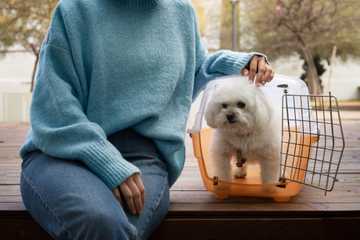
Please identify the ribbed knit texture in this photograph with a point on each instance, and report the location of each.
(109, 65)
(139, 3)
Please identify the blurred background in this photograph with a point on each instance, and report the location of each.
(315, 40)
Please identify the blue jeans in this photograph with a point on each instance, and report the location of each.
(71, 202)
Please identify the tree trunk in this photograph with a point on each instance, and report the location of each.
(226, 25)
(312, 75)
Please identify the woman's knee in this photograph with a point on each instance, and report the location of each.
(38, 208)
(81, 219)
(70, 202)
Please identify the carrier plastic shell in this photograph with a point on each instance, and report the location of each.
(251, 185)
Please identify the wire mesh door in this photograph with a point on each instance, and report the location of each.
(312, 140)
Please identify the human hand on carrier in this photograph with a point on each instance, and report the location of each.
(132, 192)
(259, 68)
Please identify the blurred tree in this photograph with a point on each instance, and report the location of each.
(310, 28)
(320, 69)
(24, 23)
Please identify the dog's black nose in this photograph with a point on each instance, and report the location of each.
(231, 118)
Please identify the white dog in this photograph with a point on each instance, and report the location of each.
(246, 128)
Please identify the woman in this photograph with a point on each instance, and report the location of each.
(114, 86)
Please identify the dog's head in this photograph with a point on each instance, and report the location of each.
(238, 105)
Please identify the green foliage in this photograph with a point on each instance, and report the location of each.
(24, 23)
(316, 25)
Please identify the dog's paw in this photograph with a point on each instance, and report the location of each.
(240, 175)
(240, 172)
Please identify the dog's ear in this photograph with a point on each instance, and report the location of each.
(263, 111)
(210, 114)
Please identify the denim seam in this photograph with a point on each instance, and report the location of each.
(155, 206)
(133, 232)
(43, 203)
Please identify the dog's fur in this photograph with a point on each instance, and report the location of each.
(246, 127)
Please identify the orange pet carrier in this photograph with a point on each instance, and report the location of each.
(311, 150)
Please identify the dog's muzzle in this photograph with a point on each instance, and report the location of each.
(231, 118)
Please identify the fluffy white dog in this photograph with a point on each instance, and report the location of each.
(246, 129)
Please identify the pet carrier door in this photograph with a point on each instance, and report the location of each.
(313, 163)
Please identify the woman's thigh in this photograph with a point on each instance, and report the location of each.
(70, 202)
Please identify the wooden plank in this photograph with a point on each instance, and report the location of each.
(10, 170)
(9, 199)
(191, 191)
(9, 190)
(6, 207)
(10, 173)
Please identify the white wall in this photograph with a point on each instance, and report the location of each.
(15, 97)
(345, 78)
(345, 82)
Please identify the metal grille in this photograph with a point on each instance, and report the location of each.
(312, 140)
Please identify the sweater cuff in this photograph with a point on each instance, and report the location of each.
(107, 163)
(233, 62)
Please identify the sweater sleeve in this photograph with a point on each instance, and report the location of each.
(59, 124)
(219, 63)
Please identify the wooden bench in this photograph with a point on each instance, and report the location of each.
(197, 214)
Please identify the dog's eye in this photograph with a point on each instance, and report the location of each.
(224, 105)
(241, 104)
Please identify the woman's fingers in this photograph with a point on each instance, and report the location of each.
(140, 185)
(132, 192)
(272, 75)
(244, 72)
(268, 76)
(128, 196)
(253, 67)
(117, 195)
(136, 194)
(261, 70)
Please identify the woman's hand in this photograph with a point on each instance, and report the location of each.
(132, 192)
(258, 70)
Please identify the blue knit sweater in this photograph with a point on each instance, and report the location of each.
(107, 65)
